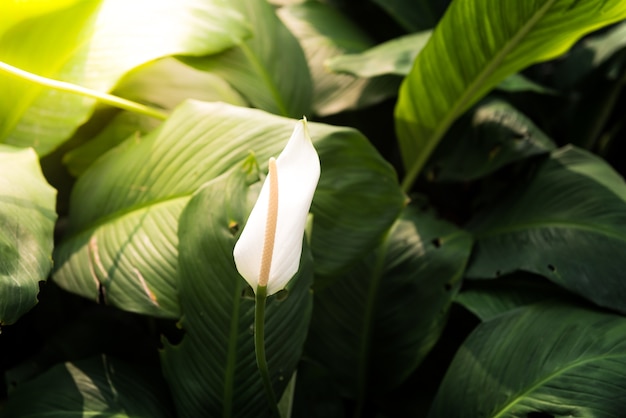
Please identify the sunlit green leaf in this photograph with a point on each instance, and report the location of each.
(164, 84)
(544, 360)
(567, 223)
(27, 217)
(372, 327)
(213, 372)
(122, 243)
(499, 38)
(93, 44)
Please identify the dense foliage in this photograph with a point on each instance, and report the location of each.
(465, 256)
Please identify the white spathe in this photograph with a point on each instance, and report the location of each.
(298, 171)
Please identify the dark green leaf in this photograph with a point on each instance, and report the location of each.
(487, 299)
(213, 371)
(372, 327)
(590, 54)
(96, 387)
(414, 15)
(568, 223)
(27, 217)
(493, 135)
(545, 360)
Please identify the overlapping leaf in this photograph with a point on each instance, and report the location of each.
(374, 326)
(488, 299)
(392, 57)
(568, 223)
(492, 135)
(165, 84)
(93, 44)
(269, 69)
(27, 217)
(122, 244)
(324, 32)
(213, 372)
(499, 38)
(543, 360)
(98, 386)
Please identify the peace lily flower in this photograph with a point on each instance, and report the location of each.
(268, 251)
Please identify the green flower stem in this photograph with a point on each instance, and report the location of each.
(259, 348)
(83, 91)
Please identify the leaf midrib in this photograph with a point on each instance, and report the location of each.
(265, 76)
(121, 213)
(549, 377)
(461, 102)
(542, 224)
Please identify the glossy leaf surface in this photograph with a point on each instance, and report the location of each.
(568, 223)
(122, 244)
(373, 327)
(544, 360)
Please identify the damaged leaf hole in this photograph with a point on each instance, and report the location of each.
(551, 268)
(233, 227)
(436, 242)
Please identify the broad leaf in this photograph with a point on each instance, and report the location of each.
(374, 326)
(568, 223)
(93, 44)
(499, 38)
(164, 84)
(492, 135)
(269, 69)
(544, 360)
(122, 243)
(324, 32)
(488, 299)
(213, 372)
(27, 217)
(395, 57)
(98, 386)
